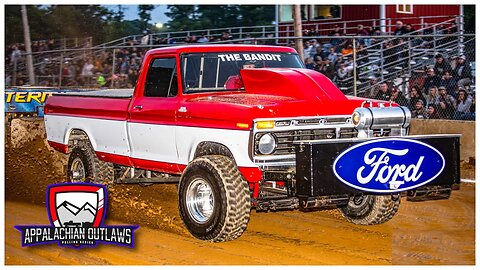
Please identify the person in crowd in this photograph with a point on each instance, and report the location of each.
(399, 29)
(462, 72)
(336, 31)
(226, 36)
(332, 55)
(342, 73)
(441, 65)
(415, 95)
(409, 29)
(203, 39)
(319, 55)
(310, 48)
(374, 88)
(376, 41)
(363, 32)
(431, 96)
(327, 68)
(270, 40)
(427, 40)
(389, 55)
(398, 97)
(146, 38)
(445, 103)
(419, 110)
(362, 54)
(348, 49)
(462, 106)
(87, 69)
(430, 80)
(432, 112)
(309, 63)
(384, 92)
(337, 42)
(449, 83)
(15, 55)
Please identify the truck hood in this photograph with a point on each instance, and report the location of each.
(275, 93)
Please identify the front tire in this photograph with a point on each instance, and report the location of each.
(214, 199)
(371, 209)
(84, 165)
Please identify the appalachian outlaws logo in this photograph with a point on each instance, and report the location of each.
(77, 212)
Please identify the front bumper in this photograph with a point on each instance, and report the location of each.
(317, 176)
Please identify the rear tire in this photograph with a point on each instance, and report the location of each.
(371, 209)
(214, 199)
(84, 165)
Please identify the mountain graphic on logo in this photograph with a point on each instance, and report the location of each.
(73, 216)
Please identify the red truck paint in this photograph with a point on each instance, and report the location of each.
(269, 93)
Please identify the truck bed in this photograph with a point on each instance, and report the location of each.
(103, 104)
(107, 93)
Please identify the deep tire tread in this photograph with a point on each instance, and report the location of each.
(100, 171)
(237, 196)
(382, 209)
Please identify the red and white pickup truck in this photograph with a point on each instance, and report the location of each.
(242, 127)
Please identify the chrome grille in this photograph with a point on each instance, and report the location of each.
(285, 139)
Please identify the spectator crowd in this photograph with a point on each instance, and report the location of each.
(444, 91)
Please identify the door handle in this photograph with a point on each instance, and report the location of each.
(138, 107)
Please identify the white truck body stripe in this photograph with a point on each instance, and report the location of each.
(109, 136)
(153, 142)
(237, 141)
(163, 143)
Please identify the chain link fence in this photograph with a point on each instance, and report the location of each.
(432, 74)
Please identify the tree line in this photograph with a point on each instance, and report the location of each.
(196, 17)
(103, 24)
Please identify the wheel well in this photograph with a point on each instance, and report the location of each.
(75, 136)
(212, 148)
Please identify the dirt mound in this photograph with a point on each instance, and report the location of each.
(31, 165)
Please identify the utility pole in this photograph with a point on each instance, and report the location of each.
(297, 26)
(28, 46)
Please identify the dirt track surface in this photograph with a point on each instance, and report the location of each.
(439, 232)
(434, 232)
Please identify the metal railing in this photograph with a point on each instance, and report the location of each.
(401, 61)
(282, 30)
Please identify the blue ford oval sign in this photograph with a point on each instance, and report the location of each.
(388, 165)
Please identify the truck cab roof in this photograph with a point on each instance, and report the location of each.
(220, 48)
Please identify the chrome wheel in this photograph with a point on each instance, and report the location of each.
(77, 170)
(199, 200)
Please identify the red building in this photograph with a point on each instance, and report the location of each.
(323, 18)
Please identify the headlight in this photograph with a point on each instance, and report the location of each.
(381, 117)
(362, 118)
(266, 144)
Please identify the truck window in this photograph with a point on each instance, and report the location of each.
(161, 78)
(211, 71)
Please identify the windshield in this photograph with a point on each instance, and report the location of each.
(221, 71)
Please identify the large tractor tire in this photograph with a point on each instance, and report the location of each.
(84, 165)
(371, 209)
(214, 199)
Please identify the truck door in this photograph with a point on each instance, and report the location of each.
(151, 126)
